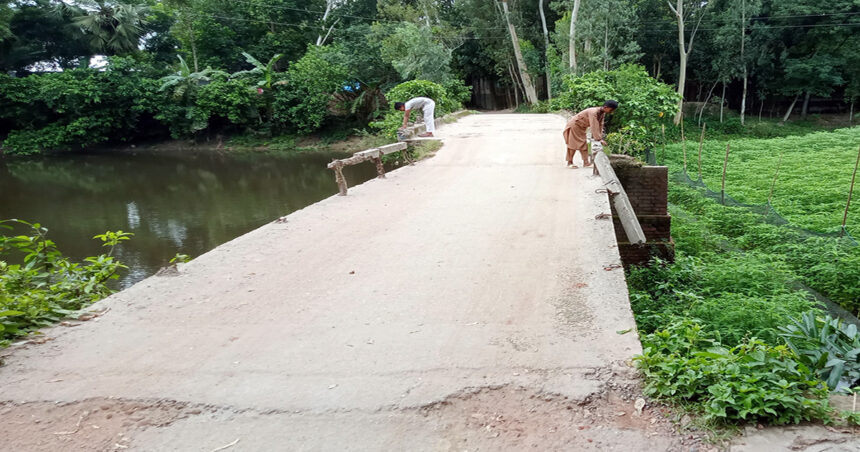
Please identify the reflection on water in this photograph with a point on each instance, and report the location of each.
(173, 202)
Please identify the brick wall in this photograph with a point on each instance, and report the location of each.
(648, 189)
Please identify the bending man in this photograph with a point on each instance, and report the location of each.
(574, 132)
(426, 105)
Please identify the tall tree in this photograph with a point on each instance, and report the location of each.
(330, 5)
(112, 27)
(685, 10)
(531, 94)
(546, 51)
(574, 16)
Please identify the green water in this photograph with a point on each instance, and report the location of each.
(179, 202)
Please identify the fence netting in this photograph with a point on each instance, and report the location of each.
(766, 211)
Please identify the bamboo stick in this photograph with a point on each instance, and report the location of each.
(684, 142)
(775, 175)
(723, 187)
(701, 142)
(663, 132)
(850, 193)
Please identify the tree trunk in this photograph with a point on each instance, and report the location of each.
(707, 99)
(516, 83)
(682, 53)
(760, 108)
(546, 52)
(684, 49)
(531, 94)
(790, 108)
(328, 6)
(682, 79)
(744, 96)
(572, 38)
(193, 44)
(606, 47)
(743, 62)
(851, 115)
(722, 101)
(805, 111)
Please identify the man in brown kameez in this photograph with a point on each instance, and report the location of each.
(574, 132)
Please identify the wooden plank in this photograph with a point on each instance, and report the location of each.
(618, 196)
(393, 147)
(355, 159)
(341, 180)
(371, 155)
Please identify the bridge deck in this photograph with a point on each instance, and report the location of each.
(481, 269)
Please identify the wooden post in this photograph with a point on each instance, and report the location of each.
(701, 142)
(684, 143)
(341, 181)
(850, 192)
(618, 196)
(723, 187)
(775, 175)
(663, 132)
(380, 169)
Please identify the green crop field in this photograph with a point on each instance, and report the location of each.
(814, 175)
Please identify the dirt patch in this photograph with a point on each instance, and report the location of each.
(517, 418)
(93, 424)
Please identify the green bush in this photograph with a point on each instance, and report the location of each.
(302, 104)
(46, 286)
(231, 103)
(445, 102)
(644, 102)
(76, 108)
(751, 382)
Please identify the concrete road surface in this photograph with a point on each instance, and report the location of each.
(468, 302)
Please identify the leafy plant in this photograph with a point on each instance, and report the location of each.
(46, 287)
(185, 82)
(264, 73)
(445, 102)
(180, 258)
(302, 104)
(827, 345)
(644, 102)
(752, 381)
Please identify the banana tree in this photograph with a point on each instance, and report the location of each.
(265, 71)
(265, 74)
(186, 82)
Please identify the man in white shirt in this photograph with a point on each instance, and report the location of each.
(426, 105)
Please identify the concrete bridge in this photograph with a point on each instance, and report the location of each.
(473, 301)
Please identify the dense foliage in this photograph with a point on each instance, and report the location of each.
(74, 108)
(643, 99)
(728, 328)
(45, 286)
(765, 55)
(448, 99)
(750, 382)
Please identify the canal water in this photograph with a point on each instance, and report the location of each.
(178, 202)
